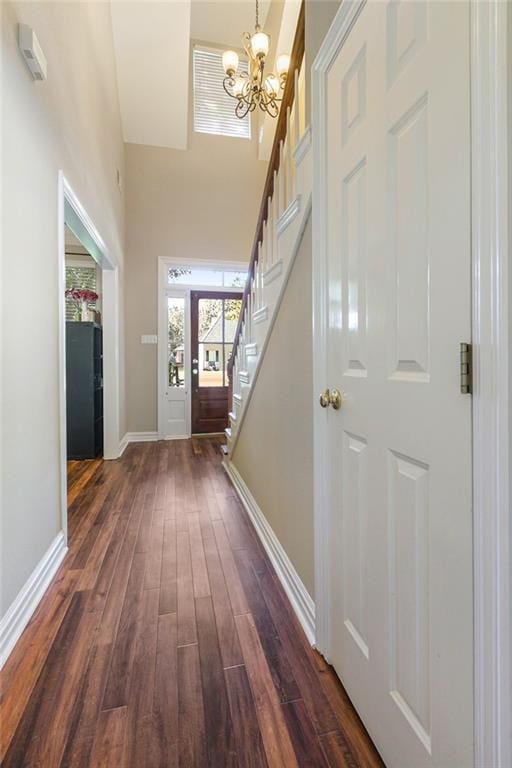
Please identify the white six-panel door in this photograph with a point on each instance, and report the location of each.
(398, 252)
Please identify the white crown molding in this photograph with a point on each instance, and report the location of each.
(300, 599)
(21, 610)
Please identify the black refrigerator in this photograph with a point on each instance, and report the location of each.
(84, 390)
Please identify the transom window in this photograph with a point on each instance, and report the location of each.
(206, 278)
(214, 110)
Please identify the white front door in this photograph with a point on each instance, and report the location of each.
(176, 409)
(399, 490)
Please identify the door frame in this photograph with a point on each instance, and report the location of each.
(490, 39)
(181, 289)
(72, 212)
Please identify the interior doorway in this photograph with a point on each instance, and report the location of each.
(88, 344)
(214, 319)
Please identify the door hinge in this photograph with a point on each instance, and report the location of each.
(466, 368)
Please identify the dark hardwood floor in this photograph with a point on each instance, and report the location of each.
(165, 639)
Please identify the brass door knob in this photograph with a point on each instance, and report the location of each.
(324, 399)
(335, 399)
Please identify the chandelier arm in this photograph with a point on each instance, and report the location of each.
(242, 108)
(228, 81)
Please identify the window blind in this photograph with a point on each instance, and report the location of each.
(214, 110)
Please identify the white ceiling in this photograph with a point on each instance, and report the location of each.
(151, 42)
(222, 22)
(152, 51)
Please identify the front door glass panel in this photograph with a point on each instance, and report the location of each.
(176, 342)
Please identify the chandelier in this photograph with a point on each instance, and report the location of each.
(254, 88)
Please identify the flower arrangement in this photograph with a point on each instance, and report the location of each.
(81, 298)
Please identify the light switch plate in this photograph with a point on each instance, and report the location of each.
(149, 339)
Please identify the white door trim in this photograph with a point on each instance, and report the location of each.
(492, 379)
(110, 307)
(491, 400)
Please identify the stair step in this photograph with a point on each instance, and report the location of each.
(232, 416)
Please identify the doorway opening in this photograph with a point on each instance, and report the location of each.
(88, 348)
(198, 308)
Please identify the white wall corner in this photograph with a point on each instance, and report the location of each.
(300, 599)
(21, 610)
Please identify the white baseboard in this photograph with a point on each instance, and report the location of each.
(122, 446)
(27, 600)
(299, 597)
(140, 437)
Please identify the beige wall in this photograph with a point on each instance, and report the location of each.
(274, 453)
(70, 122)
(202, 204)
(319, 16)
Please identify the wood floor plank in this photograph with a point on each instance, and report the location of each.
(156, 545)
(191, 728)
(218, 726)
(228, 636)
(168, 577)
(303, 669)
(276, 738)
(304, 738)
(249, 745)
(338, 752)
(107, 750)
(120, 673)
(141, 688)
(87, 708)
(281, 671)
(233, 583)
(199, 571)
(185, 589)
(164, 727)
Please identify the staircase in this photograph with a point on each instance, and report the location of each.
(283, 215)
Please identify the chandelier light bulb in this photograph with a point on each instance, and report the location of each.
(272, 85)
(260, 44)
(282, 64)
(230, 62)
(238, 86)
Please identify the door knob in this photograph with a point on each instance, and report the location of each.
(335, 399)
(324, 399)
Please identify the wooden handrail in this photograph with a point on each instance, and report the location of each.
(296, 58)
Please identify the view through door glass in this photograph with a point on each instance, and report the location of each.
(214, 318)
(176, 342)
(217, 321)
